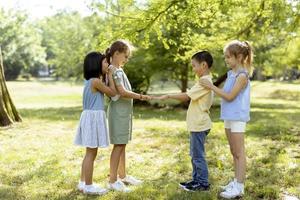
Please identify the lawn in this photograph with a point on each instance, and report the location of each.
(39, 161)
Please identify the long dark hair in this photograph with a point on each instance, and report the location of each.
(92, 66)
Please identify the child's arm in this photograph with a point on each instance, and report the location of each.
(179, 96)
(111, 82)
(240, 83)
(129, 94)
(100, 86)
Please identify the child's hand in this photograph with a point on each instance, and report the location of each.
(111, 69)
(206, 83)
(146, 98)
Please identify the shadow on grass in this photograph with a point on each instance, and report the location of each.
(276, 126)
(265, 175)
(52, 114)
(169, 113)
(269, 123)
(14, 182)
(10, 193)
(286, 95)
(273, 106)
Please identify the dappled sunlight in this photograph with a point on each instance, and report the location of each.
(38, 158)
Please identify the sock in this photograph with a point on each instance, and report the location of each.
(89, 186)
(240, 186)
(82, 182)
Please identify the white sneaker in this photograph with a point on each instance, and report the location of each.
(118, 186)
(131, 180)
(94, 190)
(81, 186)
(237, 190)
(229, 185)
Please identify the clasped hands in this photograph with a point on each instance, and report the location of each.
(150, 97)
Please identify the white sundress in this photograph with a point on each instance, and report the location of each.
(92, 130)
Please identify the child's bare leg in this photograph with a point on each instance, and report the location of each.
(122, 164)
(88, 165)
(82, 177)
(239, 155)
(114, 161)
(230, 141)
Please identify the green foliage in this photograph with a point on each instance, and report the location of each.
(166, 33)
(20, 42)
(181, 28)
(68, 37)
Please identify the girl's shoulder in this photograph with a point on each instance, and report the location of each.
(230, 72)
(96, 83)
(242, 73)
(118, 73)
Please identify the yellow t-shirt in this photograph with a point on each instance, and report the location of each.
(197, 117)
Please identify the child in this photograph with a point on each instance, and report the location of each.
(198, 120)
(235, 109)
(120, 117)
(92, 130)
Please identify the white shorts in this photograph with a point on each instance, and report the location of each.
(235, 126)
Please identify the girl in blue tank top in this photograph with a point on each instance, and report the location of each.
(235, 110)
(92, 129)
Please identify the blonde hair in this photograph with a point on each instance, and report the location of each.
(121, 46)
(237, 47)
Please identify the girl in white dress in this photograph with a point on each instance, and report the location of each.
(92, 130)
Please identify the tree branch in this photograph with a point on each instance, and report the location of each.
(157, 16)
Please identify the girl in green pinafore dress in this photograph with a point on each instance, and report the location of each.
(120, 112)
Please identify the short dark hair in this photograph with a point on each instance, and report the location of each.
(92, 66)
(204, 56)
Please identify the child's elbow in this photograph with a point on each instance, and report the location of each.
(112, 94)
(229, 98)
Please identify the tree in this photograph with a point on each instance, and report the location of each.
(68, 37)
(185, 27)
(8, 111)
(20, 42)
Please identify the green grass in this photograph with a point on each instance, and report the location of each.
(39, 161)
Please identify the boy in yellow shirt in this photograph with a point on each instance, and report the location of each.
(198, 120)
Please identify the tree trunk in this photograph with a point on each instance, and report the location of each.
(8, 111)
(184, 77)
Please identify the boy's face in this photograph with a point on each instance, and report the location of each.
(199, 68)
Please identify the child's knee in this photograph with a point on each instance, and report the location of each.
(238, 154)
(119, 146)
(92, 153)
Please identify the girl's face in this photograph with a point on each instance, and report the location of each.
(199, 68)
(121, 58)
(231, 60)
(104, 66)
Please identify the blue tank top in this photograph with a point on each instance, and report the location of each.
(92, 101)
(239, 108)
